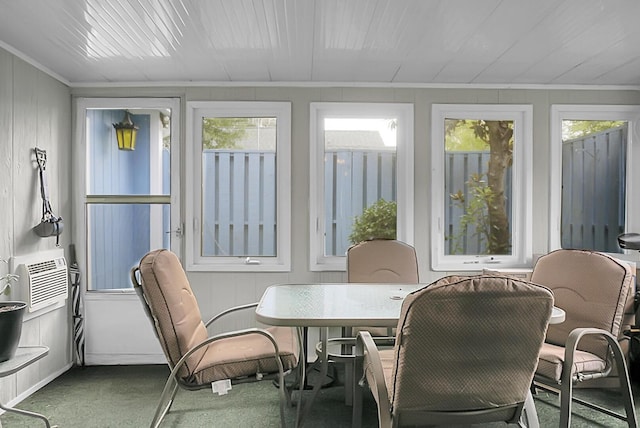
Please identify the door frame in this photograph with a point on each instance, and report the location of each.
(109, 316)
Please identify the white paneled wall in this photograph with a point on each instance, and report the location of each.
(35, 109)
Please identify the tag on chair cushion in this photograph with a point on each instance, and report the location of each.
(221, 387)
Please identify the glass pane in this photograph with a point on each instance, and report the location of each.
(359, 170)
(478, 177)
(142, 171)
(594, 159)
(118, 235)
(239, 187)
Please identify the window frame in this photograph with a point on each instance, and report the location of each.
(522, 178)
(196, 110)
(560, 112)
(318, 261)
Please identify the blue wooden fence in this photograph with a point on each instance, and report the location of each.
(354, 180)
(593, 190)
(239, 210)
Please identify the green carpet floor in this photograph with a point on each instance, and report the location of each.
(126, 396)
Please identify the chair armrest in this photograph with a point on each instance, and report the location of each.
(229, 311)
(572, 344)
(228, 335)
(366, 351)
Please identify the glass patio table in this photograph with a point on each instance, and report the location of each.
(331, 305)
(336, 305)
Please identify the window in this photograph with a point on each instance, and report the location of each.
(360, 153)
(127, 196)
(238, 191)
(591, 158)
(481, 186)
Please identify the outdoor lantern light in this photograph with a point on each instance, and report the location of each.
(126, 132)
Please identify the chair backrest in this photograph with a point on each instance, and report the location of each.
(592, 288)
(173, 308)
(382, 260)
(468, 343)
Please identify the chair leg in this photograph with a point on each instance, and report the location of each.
(26, 413)
(162, 409)
(356, 417)
(349, 383)
(625, 385)
(566, 400)
(566, 382)
(285, 398)
(529, 417)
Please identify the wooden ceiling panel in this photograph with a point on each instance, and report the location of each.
(587, 42)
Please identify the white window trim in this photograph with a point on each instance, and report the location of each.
(404, 157)
(522, 115)
(196, 110)
(560, 112)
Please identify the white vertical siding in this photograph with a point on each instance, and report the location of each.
(35, 109)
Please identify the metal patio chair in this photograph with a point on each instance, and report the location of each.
(195, 358)
(465, 352)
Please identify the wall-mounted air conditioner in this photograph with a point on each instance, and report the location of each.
(44, 279)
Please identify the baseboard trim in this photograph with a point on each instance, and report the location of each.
(124, 359)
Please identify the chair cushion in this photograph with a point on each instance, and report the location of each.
(551, 359)
(592, 288)
(467, 343)
(382, 261)
(243, 356)
(387, 360)
(175, 309)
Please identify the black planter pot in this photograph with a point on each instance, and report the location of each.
(11, 314)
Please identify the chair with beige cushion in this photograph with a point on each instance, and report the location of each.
(195, 358)
(382, 261)
(594, 290)
(465, 352)
(374, 261)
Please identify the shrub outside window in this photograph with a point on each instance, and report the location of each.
(361, 159)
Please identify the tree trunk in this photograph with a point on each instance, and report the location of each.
(501, 158)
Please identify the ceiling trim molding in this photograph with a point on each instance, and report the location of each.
(33, 62)
(403, 85)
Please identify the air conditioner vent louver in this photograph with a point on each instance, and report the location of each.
(48, 282)
(41, 267)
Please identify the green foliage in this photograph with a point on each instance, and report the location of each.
(464, 136)
(378, 221)
(475, 213)
(572, 129)
(223, 132)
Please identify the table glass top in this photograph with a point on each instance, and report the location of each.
(327, 305)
